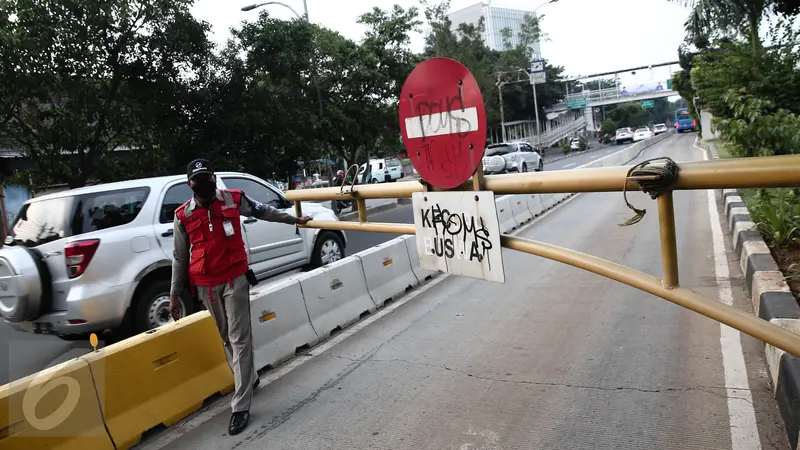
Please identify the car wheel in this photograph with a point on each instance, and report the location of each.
(524, 168)
(541, 166)
(329, 248)
(374, 181)
(152, 306)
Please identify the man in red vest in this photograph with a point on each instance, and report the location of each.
(208, 247)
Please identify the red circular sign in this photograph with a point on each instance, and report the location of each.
(443, 122)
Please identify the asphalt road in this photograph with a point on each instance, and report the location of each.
(555, 358)
(23, 354)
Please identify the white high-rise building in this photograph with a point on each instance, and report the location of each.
(496, 18)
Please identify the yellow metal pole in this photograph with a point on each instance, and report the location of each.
(478, 180)
(362, 209)
(298, 209)
(742, 321)
(394, 228)
(761, 172)
(669, 246)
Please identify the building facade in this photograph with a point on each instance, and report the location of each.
(496, 19)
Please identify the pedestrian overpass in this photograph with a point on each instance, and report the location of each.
(575, 113)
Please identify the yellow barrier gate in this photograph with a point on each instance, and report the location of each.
(761, 172)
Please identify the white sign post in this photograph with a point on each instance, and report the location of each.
(459, 233)
(538, 78)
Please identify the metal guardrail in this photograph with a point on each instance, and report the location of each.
(554, 135)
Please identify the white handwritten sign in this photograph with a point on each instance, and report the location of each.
(459, 233)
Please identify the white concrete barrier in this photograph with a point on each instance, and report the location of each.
(280, 322)
(411, 246)
(535, 205)
(387, 270)
(505, 214)
(336, 295)
(519, 207)
(548, 201)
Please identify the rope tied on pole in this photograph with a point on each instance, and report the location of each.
(654, 177)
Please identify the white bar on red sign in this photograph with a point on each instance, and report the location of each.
(456, 121)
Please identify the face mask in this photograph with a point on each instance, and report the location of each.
(204, 189)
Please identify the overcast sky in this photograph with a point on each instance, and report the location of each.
(586, 36)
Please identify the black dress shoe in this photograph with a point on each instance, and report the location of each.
(255, 385)
(238, 422)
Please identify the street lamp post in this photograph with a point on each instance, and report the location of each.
(533, 84)
(313, 55)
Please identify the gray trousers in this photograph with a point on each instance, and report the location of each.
(230, 309)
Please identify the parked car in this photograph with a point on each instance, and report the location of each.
(641, 134)
(511, 157)
(578, 144)
(624, 135)
(659, 128)
(100, 257)
(382, 170)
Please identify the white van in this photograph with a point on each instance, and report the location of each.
(382, 170)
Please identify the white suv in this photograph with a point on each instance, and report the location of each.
(511, 157)
(100, 257)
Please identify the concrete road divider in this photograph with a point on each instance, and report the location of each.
(505, 214)
(336, 295)
(534, 202)
(519, 207)
(159, 377)
(280, 322)
(56, 408)
(548, 201)
(413, 256)
(387, 270)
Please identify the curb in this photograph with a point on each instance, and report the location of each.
(771, 299)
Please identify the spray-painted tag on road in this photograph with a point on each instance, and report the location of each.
(459, 233)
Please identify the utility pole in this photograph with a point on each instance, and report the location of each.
(536, 112)
(502, 113)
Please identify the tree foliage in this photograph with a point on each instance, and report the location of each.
(81, 80)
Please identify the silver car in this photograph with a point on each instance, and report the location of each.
(511, 157)
(100, 257)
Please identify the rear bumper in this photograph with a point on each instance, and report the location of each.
(99, 307)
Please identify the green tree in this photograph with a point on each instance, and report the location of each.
(77, 77)
(594, 85)
(608, 127)
(718, 18)
(361, 84)
(489, 67)
(629, 115)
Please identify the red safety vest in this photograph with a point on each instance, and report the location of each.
(214, 257)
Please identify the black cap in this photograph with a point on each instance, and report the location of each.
(199, 166)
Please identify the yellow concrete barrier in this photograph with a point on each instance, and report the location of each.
(55, 409)
(160, 376)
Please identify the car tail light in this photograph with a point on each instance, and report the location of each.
(385, 170)
(78, 255)
(694, 123)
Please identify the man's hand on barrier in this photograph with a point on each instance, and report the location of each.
(303, 220)
(175, 307)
